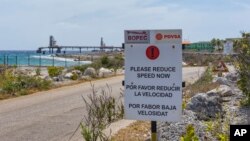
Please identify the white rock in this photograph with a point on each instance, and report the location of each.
(48, 78)
(223, 91)
(86, 77)
(42, 76)
(90, 72)
(120, 71)
(205, 105)
(77, 72)
(104, 72)
(222, 81)
(233, 77)
(58, 78)
(68, 75)
(184, 64)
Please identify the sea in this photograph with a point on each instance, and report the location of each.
(31, 58)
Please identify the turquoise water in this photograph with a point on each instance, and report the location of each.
(31, 58)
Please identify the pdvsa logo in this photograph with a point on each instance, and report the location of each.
(160, 36)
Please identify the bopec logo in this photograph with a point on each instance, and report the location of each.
(137, 36)
(160, 36)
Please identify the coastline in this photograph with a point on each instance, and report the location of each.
(91, 56)
(22, 58)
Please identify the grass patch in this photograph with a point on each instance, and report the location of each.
(138, 131)
(190, 134)
(202, 85)
(13, 84)
(54, 71)
(102, 109)
(218, 128)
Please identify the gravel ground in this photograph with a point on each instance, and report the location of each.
(234, 113)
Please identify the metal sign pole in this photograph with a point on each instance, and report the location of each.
(153, 131)
(16, 61)
(154, 123)
(28, 60)
(53, 62)
(40, 61)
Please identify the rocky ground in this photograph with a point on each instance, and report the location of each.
(210, 113)
(91, 56)
(222, 104)
(66, 77)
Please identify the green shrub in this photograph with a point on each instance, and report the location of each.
(11, 87)
(23, 92)
(38, 71)
(43, 84)
(184, 104)
(202, 85)
(102, 109)
(74, 76)
(223, 137)
(105, 61)
(117, 61)
(54, 71)
(109, 62)
(22, 84)
(218, 128)
(190, 134)
(81, 68)
(243, 65)
(206, 77)
(8, 82)
(86, 133)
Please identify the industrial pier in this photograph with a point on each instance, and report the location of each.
(54, 48)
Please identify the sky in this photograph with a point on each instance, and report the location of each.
(27, 24)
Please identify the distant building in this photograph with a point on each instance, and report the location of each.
(102, 44)
(52, 41)
(198, 46)
(185, 43)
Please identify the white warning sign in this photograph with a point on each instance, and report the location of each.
(153, 81)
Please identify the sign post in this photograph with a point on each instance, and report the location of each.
(153, 75)
(228, 47)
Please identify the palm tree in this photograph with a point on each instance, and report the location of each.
(213, 42)
(219, 44)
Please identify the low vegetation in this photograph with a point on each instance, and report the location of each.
(14, 84)
(202, 85)
(82, 68)
(105, 61)
(218, 128)
(138, 131)
(102, 109)
(74, 76)
(54, 71)
(190, 134)
(242, 64)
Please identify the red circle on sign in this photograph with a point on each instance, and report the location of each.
(158, 36)
(152, 52)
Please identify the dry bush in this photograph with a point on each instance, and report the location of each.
(138, 131)
(102, 110)
(202, 85)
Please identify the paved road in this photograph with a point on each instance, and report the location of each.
(191, 74)
(54, 115)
